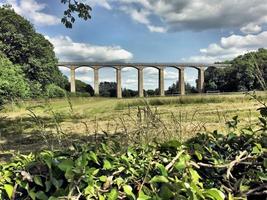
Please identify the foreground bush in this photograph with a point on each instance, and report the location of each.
(209, 166)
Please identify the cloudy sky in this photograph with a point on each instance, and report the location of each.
(151, 31)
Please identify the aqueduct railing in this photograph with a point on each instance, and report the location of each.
(140, 67)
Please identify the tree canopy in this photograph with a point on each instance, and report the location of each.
(247, 72)
(24, 46)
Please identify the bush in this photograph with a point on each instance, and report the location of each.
(54, 91)
(36, 90)
(12, 81)
(209, 166)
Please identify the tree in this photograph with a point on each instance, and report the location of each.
(13, 83)
(129, 93)
(82, 87)
(174, 88)
(75, 7)
(247, 72)
(23, 46)
(108, 89)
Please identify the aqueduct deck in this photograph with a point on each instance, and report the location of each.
(140, 67)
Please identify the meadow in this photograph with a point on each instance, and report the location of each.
(33, 125)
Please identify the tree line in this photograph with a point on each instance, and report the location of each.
(247, 72)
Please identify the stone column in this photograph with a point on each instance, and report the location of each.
(200, 80)
(118, 79)
(140, 82)
(181, 81)
(96, 81)
(72, 79)
(161, 82)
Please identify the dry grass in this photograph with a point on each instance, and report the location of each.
(164, 118)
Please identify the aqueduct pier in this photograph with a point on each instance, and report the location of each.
(140, 67)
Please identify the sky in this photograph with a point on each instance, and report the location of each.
(150, 31)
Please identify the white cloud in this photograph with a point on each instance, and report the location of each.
(230, 47)
(251, 28)
(33, 11)
(68, 50)
(102, 3)
(177, 15)
(157, 29)
(84, 70)
(141, 16)
(85, 79)
(171, 75)
(129, 69)
(151, 71)
(64, 70)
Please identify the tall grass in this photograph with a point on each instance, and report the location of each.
(182, 100)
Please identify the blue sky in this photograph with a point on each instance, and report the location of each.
(151, 31)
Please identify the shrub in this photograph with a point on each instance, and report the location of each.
(12, 81)
(54, 91)
(36, 90)
(209, 166)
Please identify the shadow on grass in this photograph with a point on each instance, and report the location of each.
(24, 135)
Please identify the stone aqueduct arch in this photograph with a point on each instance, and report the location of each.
(140, 67)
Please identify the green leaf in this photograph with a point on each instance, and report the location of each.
(101, 197)
(162, 169)
(103, 178)
(53, 198)
(9, 190)
(159, 179)
(93, 157)
(215, 194)
(181, 164)
(113, 195)
(195, 176)
(119, 181)
(129, 191)
(107, 165)
(142, 196)
(198, 154)
(57, 183)
(48, 185)
(165, 192)
(89, 190)
(32, 194)
(41, 195)
(38, 180)
(66, 165)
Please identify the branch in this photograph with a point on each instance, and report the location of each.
(174, 160)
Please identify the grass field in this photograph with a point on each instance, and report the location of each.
(33, 125)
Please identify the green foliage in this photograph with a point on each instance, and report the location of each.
(129, 93)
(23, 46)
(174, 88)
(53, 91)
(12, 81)
(79, 8)
(209, 166)
(248, 72)
(82, 87)
(108, 89)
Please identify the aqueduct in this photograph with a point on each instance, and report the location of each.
(140, 67)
